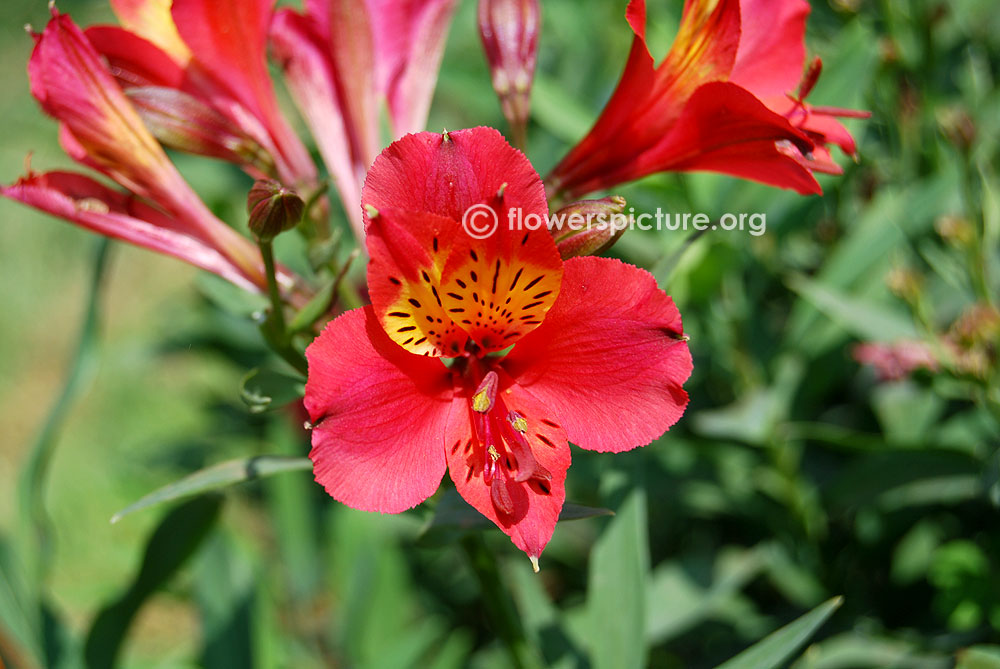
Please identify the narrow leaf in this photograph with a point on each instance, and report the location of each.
(776, 648)
(170, 545)
(218, 476)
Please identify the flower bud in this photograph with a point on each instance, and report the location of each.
(589, 227)
(273, 209)
(181, 121)
(509, 30)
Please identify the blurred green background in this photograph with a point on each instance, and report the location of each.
(796, 475)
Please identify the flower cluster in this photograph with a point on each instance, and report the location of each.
(482, 357)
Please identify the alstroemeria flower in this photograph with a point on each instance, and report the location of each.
(342, 58)
(599, 355)
(197, 72)
(100, 129)
(728, 97)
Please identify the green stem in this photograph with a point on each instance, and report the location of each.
(499, 606)
(277, 305)
(36, 470)
(275, 329)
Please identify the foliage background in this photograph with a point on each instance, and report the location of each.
(794, 477)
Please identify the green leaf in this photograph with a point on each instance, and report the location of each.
(229, 298)
(979, 657)
(218, 476)
(776, 648)
(616, 598)
(173, 541)
(862, 318)
(267, 389)
(37, 550)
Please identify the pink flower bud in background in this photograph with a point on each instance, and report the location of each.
(509, 30)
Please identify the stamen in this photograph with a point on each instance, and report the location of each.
(486, 394)
(517, 421)
(810, 78)
(500, 496)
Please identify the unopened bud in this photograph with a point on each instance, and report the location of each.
(509, 30)
(181, 121)
(273, 209)
(589, 227)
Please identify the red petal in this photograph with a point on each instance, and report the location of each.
(380, 415)
(536, 505)
(409, 43)
(151, 20)
(135, 61)
(229, 40)
(345, 26)
(495, 288)
(409, 251)
(772, 46)
(312, 81)
(81, 200)
(649, 100)
(726, 129)
(609, 361)
(426, 172)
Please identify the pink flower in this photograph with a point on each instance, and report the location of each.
(342, 58)
(723, 100)
(599, 355)
(197, 72)
(100, 129)
(896, 361)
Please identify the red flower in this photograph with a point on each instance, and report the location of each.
(197, 72)
(341, 58)
(599, 354)
(101, 129)
(721, 101)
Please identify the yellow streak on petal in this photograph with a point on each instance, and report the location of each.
(151, 19)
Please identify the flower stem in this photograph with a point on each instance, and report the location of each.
(499, 606)
(274, 328)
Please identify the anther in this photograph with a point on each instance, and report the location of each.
(486, 394)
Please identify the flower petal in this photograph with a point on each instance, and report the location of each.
(151, 20)
(81, 200)
(409, 42)
(724, 128)
(380, 414)
(133, 60)
(229, 41)
(534, 505)
(497, 281)
(609, 360)
(408, 252)
(312, 81)
(447, 174)
(772, 46)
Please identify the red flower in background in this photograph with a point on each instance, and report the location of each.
(598, 358)
(722, 100)
(100, 128)
(342, 58)
(197, 71)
